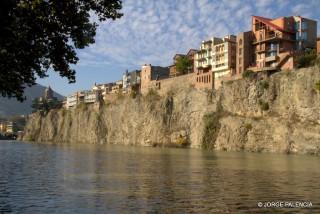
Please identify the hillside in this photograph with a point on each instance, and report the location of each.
(277, 113)
(9, 107)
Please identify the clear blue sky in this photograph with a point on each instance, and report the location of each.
(152, 31)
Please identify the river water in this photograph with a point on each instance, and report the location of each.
(41, 178)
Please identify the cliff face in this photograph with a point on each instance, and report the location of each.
(277, 113)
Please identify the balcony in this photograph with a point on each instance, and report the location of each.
(267, 38)
(271, 58)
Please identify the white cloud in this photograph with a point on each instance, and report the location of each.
(153, 31)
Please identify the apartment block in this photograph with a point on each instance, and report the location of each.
(117, 87)
(130, 80)
(276, 41)
(215, 59)
(318, 45)
(305, 33)
(72, 100)
(244, 53)
(149, 74)
(88, 96)
(91, 96)
(3, 127)
(103, 88)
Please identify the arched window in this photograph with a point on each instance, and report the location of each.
(240, 41)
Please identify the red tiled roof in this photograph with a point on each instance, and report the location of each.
(268, 22)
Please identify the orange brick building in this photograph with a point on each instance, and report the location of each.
(244, 53)
(276, 41)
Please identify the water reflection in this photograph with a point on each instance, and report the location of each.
(118, 179)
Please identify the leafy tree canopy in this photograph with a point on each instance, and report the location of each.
(183, 64)
(40, 34)
(45, 105)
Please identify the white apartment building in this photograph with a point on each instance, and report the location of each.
(217, 55)
(72, 100)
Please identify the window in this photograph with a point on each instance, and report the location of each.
(304, 36)
(240, 41)
(240, 51)
(297, 25)
(240, 59)
(304, 25)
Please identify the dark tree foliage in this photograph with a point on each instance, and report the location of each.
(307, 59)
(45, 105)
(36, 35)
(183, 65)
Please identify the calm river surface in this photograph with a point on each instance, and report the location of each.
(37, 178)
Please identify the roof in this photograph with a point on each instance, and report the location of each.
(268, 22)
(192, 50)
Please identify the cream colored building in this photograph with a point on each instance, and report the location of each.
(217, 55)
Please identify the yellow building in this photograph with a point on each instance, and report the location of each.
(9, 128)
(3, 127)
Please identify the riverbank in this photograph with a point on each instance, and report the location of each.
(278, 113)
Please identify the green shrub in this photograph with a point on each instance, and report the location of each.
(306, 59)
(182, 141)
(264, 84)
(82, 106)
(183, 64)
(317, 62)
(248, 126)
(152, 95)
(133, 94)
(120, 95)
(211, 129)
(264, 106)
(248, 74)
(317, 85)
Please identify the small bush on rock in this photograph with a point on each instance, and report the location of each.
(317, 86)
(248, 126)
(248, 74)
(306, 59)
(264, 106)
(264, 84)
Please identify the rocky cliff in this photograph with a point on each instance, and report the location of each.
(261, 113)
